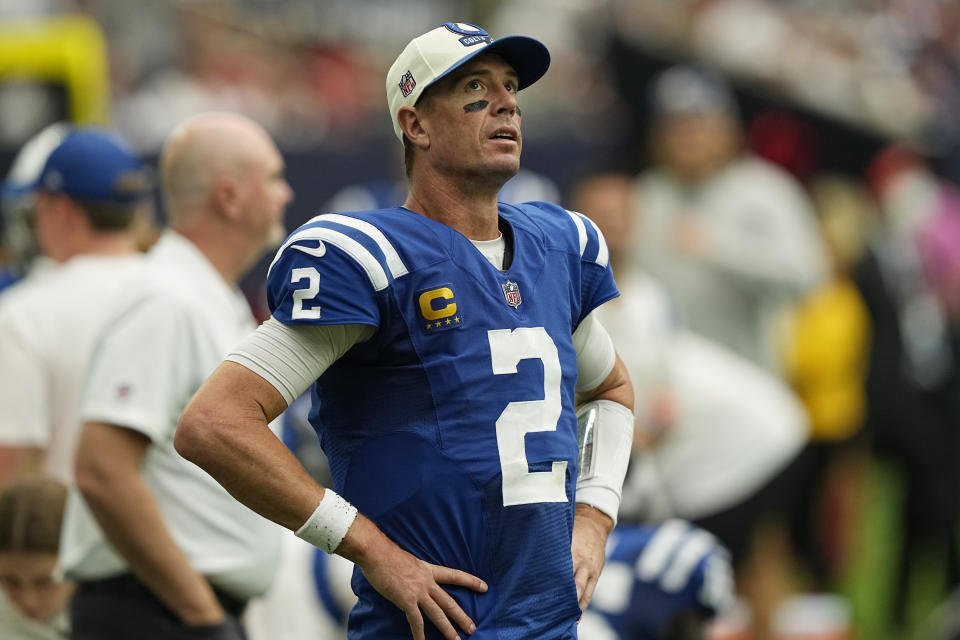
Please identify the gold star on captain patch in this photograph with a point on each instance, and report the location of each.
(437, 323)
(447, 321)
(428, 326)
(456, 318)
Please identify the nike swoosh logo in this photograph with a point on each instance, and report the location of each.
(317, 251)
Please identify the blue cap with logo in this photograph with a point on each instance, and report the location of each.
(94, 164)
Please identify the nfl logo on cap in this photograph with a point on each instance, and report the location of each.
(407, 84)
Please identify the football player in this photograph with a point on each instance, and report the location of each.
(450, 346)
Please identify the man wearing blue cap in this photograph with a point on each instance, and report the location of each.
(87, 192)
(158, 549)
(450, 346)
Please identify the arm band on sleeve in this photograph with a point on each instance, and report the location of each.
(595, 353)
(328, 524)
(606, 437)
(292, 357)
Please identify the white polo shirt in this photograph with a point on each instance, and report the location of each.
(48, 323)
(165, 339)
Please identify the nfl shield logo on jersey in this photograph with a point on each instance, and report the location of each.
(407, 84)
(512, 293)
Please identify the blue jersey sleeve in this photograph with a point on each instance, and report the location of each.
(576, 233)
(331, 270)
(596, 281)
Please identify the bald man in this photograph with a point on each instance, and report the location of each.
(158, 548)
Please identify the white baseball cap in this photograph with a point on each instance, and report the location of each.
(433, 55)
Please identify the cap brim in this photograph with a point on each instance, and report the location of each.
(528, 57)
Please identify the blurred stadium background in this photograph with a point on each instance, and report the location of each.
(823, 86)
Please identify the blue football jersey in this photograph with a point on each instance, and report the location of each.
(654, 573)
(453, 426)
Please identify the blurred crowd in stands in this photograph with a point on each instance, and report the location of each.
(778, 182)
(311, 71)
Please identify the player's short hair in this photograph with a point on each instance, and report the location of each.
(407, 156)
(109, 216)
(31, 515)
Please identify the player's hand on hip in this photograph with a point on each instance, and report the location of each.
(409, 582)
(590, 530)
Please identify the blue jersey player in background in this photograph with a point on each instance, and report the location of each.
(475, 415)
(661, 582)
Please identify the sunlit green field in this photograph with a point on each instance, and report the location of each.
(869, 580)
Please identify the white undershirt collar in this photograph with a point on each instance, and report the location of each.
(492, 250)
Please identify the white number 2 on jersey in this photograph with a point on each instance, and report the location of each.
(312, 276)
(520, 485)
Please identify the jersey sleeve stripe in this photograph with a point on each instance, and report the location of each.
(694, 549)
(370, 264)
(655, 558)
(603, 253)
(581, 230)
(394, 263)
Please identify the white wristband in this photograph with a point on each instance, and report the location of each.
(606, 438)
(328, 524)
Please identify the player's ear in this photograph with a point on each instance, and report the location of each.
(226, 196)
(411, 124)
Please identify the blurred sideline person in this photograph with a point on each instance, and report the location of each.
(825, 363)
(17, 200)
(157, 547)
(87, 192)
(33, 600)
(716, 434)
(441, 340)
(912, 376)
(731, 236)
